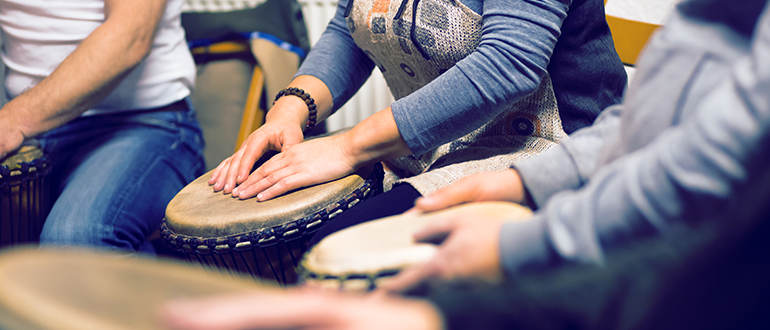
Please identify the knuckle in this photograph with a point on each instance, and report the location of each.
(273, 178)
(282, 185)
(260, 173)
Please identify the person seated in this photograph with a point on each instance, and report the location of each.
(472, 94)
(662, 202)
(102, 84)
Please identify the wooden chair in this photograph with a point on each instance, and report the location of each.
(243, 57)
(630, 37)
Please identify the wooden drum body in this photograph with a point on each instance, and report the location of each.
(53, 290)
(361, 257)
(263, 239)
(24, 199)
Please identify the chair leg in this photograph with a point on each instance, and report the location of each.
(253, 115)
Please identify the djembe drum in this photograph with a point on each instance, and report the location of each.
(23, 194)
(364, 256)
(51, 290)
(263, 239)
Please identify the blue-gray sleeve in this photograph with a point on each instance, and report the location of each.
(690, 171)
(517, 41)
(571, 163)
(337, 60)
(518, 37)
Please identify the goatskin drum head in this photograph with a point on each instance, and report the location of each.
(74, 289)
(199, 211)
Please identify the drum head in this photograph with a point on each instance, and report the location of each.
(199, 211)
(46, 289)
(385, 246)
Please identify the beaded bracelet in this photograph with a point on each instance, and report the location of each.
(311, 107)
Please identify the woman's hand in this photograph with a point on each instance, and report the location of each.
(276, 135)
(283, 128)
(309, 163)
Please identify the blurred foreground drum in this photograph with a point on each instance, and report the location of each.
(23, 194)
(264, 239)
(47, 289)
(363, 256)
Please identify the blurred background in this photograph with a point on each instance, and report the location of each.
(372, 97)
(631, 20)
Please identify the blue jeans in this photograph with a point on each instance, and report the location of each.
(114, 174)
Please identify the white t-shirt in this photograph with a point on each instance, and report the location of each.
(39, 34)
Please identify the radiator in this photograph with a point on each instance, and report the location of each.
(372, 97)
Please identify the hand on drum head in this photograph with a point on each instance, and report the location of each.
(469, 249)
(300, 309)
(481, 187)
(305, 164)
(11, 137)
(278, 135)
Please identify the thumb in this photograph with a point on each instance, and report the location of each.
(436, 231)
(11, 143)
(290, 140)
(457, 193)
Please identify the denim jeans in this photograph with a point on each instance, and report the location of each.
(114, 174)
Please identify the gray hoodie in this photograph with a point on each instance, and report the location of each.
(689, 137)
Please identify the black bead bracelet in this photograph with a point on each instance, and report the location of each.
(311, 107)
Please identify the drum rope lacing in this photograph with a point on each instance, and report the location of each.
(28, 170)
(371, 279)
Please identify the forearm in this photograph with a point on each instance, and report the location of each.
(375, 139)
(89, 73)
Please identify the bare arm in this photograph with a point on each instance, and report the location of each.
(87, 75)
(374, 139)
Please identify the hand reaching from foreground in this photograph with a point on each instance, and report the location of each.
(470, 249)
(301, 309)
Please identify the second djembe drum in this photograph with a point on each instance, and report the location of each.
(24, 200)
(362, 257)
